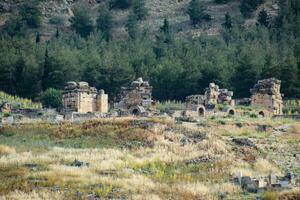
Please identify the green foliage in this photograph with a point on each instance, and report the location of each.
(228, 24)
(170, 105)
(196, 11)
(51, 98)
(247, 7)
(105, 23)
(30, 13)
(14, 27)
(221, 1)
(17, 102)
(82, 22)
(57, 20)
(139, 9)
(263, 18)
(175, 66)
(132, 26)
(123, 4)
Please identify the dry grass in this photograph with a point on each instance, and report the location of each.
(290, 195)
(264, 167)
(146, 172)
(5, 150)
(34, 195)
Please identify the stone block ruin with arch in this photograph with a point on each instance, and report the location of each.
(214, 100)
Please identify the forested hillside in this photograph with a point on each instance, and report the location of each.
(179, 47)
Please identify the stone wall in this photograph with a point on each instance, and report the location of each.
(138, 93)
(80, 97)
(266, 95)
(213, 95)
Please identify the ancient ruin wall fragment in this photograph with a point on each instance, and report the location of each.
(138, 93)
(266, 95)
(80, 97)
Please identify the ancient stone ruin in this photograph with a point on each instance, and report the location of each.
(212, 97)
(136, 97)
(266, 96)
(81, 98)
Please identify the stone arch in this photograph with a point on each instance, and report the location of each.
(262, 113)
(201, 111)
(231, 112)
(137, 110)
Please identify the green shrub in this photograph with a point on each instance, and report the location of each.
(170, 105)
(122, 4)
(6, 114)
(221, 1)
(51, 98)
(57, 20)
(247, 7)
(197, 12)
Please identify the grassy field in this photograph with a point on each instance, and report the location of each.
(147, 158)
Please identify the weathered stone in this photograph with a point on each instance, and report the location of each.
(80, 97)
(266, 95)
(136, 97)
(212, 97)
(243, 142)
(77, 163)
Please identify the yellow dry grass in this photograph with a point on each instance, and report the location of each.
(5, 150)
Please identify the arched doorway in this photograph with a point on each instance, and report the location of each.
(231, 112)
(261, 114)
(201, 111)
(135, 112)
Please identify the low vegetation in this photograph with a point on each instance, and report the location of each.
(131, 158)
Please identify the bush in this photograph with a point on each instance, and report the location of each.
(196, 11)
(51, 98)
(82, 22)
(57, 20)
(139, 9)
(221, 1)
(31, 14)
(122, 4)
(247, 7)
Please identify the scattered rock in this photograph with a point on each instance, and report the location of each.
(201, 159)
(243, 142)
(281, 129)
(77, 163)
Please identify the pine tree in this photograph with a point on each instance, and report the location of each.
(38, 37)
(82, 22)
(196, 11)
(123, 4)
(105, 23)
(132, 26)
(139, 9)
(30, 13)
(228, 24)
(263, 18)
(57, 34)
(166, 32)
(46, 70)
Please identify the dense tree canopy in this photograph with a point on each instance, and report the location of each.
(175, 66)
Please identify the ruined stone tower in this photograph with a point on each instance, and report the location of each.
(136, 97)
(266, 95)
(80, 97)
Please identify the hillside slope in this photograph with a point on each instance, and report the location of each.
(56, 14)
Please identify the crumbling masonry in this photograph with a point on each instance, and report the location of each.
(267, 97)
(213, 96)
(136, 97)
(81, 98)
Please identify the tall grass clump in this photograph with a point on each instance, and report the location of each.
(167, 106)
